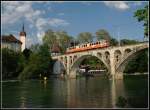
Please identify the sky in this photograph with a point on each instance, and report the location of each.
(72, 17)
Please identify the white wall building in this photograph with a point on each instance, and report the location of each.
(23, 38)
(10, 42)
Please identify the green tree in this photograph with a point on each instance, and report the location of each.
(34, 48)
(113, 42)
(103, 34)
(128, 42)
(142, 15)
(63, 39)
(12, 62)
(85, 37)
(49, 38)
(59, 37)
(39, 63)
(94, 63)
(139, 64)
(26, 53)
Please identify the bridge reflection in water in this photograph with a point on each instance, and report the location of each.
(87, 93)
(91, 92)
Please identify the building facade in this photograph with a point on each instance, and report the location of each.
(10, 42)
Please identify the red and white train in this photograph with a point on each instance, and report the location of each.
(88, 46)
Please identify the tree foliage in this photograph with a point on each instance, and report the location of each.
(49, 38)
(63, 39)
(60, 37)
(139, 64)
(113, 42)
(27, 53)
(103, 34)
(85, 37)
(128, 42)
(39, 63)
(142, 15)
(94, 63)
(12, 63)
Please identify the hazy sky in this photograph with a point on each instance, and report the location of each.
(72, 17)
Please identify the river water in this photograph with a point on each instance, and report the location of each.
(93, 92)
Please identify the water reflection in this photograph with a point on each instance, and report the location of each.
(88, 93)
(117, 90)
(45, 83)
(113, 92)
(23, 101)
(97, 92)
(22, 95)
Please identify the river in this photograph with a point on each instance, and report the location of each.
(93, 92)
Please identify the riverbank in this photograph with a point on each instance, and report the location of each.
(146, 73)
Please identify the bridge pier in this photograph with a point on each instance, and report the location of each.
(116, 76)
(72, 76)
(119, 76)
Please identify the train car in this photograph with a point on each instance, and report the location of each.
(88, 46)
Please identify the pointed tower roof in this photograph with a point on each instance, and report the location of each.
(23, 33)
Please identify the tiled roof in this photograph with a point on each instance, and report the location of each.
(10, 38)
(56, 48)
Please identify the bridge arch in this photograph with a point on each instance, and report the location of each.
(107, 57)
(99, 54)
(75, 66)
(117, 55)
(131, 54)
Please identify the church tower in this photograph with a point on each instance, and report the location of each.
(23, 38)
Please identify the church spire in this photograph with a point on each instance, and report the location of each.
(23, 28)
(23, 38)
(23, 33)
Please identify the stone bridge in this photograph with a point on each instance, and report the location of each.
(114, 58)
